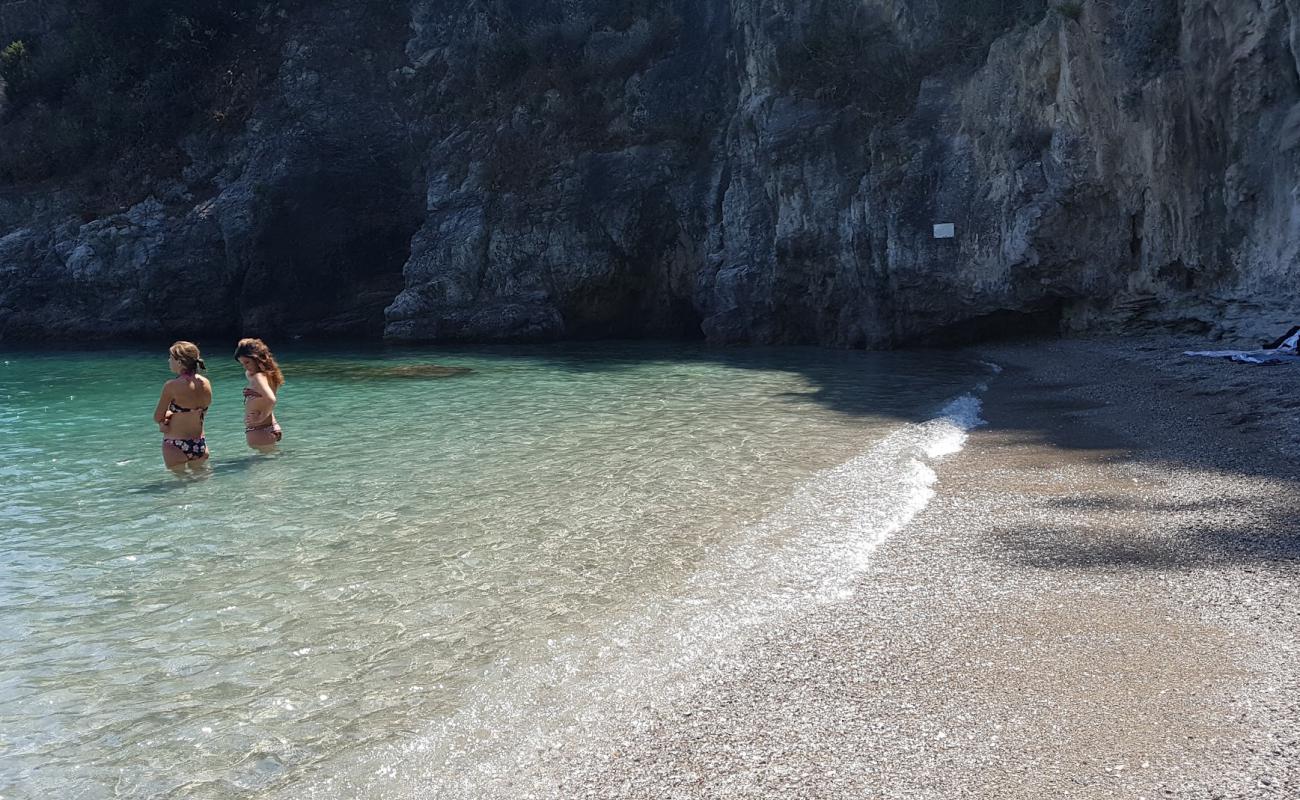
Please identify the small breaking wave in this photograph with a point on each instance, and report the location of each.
(573, 691)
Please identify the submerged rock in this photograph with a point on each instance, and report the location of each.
(369, 372)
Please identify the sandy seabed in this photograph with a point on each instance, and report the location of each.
(1100, 602)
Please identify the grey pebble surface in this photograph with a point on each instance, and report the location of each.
(1099, 602)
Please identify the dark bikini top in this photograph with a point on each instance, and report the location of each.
(172, 408)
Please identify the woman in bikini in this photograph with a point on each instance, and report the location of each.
(182, 407)
(264, 378)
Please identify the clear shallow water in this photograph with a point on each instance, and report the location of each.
(436, 575)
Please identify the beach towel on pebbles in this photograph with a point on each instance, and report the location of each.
(1284, 351)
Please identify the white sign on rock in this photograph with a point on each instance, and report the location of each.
(945, 230)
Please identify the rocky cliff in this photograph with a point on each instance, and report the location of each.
(740, 170)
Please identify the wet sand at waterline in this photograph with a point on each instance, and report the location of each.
(1100, 601)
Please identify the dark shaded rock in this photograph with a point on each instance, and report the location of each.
(749, 171)
(297, 223)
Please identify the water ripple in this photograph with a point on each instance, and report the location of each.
(423, 536)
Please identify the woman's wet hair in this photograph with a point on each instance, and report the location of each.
(257, 350)
(187, 354)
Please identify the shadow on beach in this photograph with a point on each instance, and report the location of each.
(1140, 424)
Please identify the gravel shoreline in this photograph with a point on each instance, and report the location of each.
(1100, 602)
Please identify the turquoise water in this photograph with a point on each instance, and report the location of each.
(432, 568)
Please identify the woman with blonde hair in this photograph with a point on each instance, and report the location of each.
(182, 407)
(264, 379)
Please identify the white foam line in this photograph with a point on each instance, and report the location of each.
(810, 551)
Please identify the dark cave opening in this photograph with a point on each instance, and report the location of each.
(1036, 322)
(329, 254)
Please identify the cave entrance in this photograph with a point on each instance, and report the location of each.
(330, 253)
(1042, 320)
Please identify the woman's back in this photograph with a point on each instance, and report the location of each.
(190, 395)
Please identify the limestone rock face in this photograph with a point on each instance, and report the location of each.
(751, 171)
(298, 221)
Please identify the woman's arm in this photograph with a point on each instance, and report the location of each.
(263, 386)
(160, 413)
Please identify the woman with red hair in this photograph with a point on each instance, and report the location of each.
(264, 379)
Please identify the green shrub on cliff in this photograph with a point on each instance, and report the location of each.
(1070, 9)
(15, 65)
(857, 62)
(850, 55)
(547, 86)
(14, 58)
(118, 83)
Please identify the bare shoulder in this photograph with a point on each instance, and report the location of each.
(262, 382)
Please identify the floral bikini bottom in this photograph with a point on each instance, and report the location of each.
(192, 448)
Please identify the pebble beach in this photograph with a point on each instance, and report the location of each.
(1099, 602)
